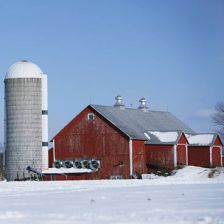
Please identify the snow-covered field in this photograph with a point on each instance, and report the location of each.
(187, 197)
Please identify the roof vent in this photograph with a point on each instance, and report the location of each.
(119, 102)
(143, 105)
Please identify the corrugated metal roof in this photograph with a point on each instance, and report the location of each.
(134, 122)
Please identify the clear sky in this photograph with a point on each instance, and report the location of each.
(170, 52)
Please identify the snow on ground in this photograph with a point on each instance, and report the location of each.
(187, 197)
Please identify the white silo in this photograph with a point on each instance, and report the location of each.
(25, 143)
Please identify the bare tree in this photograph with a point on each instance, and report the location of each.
(1, 148)
(218, 118)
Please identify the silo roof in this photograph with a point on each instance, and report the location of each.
(23, 69)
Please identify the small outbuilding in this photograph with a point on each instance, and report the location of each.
(205, 150)
(166, 149)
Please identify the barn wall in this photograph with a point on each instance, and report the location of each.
(50, 157)
(216, 156)
(216, 153)
(161, 156)
(53, 177)
(217, 141)
(98, 139)
(138, 157)
(181, 155)
(182, 139)
(199, 156)
(182, 151)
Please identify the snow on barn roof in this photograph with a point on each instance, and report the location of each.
(201, 139)
(162, 137)
(66, 171)
(135, 122)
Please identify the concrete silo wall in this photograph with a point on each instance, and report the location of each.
(23, 126)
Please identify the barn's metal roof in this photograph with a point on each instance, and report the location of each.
(135, 122)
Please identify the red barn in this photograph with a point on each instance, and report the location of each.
(114, 136)
(205, 150)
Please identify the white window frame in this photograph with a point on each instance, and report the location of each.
(90, 116)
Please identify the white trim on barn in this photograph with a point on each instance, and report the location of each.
(221, 154)
(53, 150)
(130, 157)
(175, 155)
(186, 148)
(216, 146)
(210, 155)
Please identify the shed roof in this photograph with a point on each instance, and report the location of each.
(163, 137)
(135, 122)
(202, 139)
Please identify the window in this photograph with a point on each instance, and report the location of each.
(44, 143)
(91, 116)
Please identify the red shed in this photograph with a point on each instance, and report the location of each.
(114, 137)
(166, 149)
(205, 150)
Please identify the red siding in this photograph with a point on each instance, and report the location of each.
(182, 139)
(67, 177)
(217, 141)
(50, 157)
(181, 155)
(138, 156)
(216, 152)
(199, 156)
(161, 156)
(84, 139)
(216, 156)
(182, 151)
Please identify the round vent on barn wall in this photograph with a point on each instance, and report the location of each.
(68, 164)
(94, 164)
(85, 164)
(58, 164)
(77, 164)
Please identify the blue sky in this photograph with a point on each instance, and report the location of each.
(170, 52)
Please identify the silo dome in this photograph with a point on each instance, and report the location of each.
(23, 69)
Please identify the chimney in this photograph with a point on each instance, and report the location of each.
(143, 105)
(119, 102)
